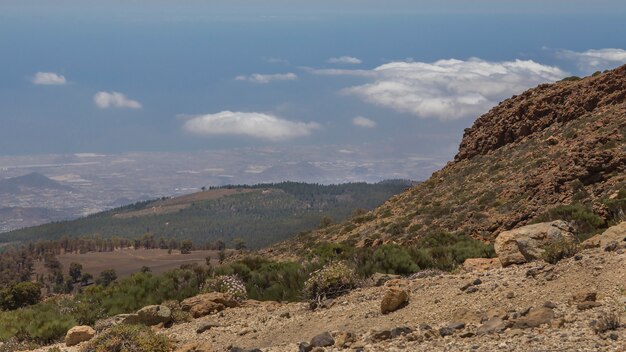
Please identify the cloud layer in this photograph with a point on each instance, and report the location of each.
(344, 60)
(595, 59)
(363, 122)
(252, 124)
(48, 79)
(267, 78)
(105, 100)
(449, 89)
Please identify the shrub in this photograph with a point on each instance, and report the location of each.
(333, 280)
(387, 259)
(129, 338)
(606, 322)
(584, 219)
(20, 295)
(557, 251)
(227, 284)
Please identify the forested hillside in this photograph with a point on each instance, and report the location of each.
(259, 215)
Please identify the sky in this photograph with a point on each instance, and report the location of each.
(117, 76)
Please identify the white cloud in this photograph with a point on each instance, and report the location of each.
(450, 89)
(594, 59)
(48, 79)
(253, 124)
(344, 60)
(267, 78)
(363, 122)
(106, 100)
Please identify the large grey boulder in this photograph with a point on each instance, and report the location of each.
(527, 243)
(153, 315)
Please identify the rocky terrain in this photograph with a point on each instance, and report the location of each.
(557, 144)
(534, 306)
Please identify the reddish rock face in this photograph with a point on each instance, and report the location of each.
(539, 108)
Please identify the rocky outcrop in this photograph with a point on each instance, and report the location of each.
(79, 334)
(527, 243)
(208, 303)
(154, 315)
(539, 108)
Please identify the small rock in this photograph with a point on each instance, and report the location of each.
(466, 286)
(393, 300)
(535, 318)
(493, 325)
(477, 282)
(471, 289)
(322, 340)
(379, 279)
(399, 331)
(588, 305)
(510, 295)
(613, 336)
(446, 331)
(285, 315)
(578, 257)
(305, 347)
(584, 296)
(467, 334)
(456, 326)
(206, 326)
(424, 326)
(549, 304)
(79, 334)
(611, 246)
(381, 335)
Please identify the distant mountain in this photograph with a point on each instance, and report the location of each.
(12, 218)
(260, 214)
(557, 151)
(29, 182)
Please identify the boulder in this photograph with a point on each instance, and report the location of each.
(208, 303)
(615, 233)
(481, 264)
(323, 340)
(393, 300)
(527, 243)
(154, 315)
(534, 318)
(79, 334)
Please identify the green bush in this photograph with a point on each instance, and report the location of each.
(42, 323)
(557, 251)
(333, 280)
(586, 222)
(20, 295)
(129, 338)
(387, 259)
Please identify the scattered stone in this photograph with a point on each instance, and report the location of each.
(466, 286)
(534, 318)
(381, 335)
(424, 326)
(510, 295)
(285, 315)
(344, 339)
(613, 336)
(200, 346)
(611, 246)
(305, 347)
(322, 340)
(467, 334)
(456, 326)
(493, 325)
(584, 296)
(527, 243)
(239, 349)
(206, 326)
(393, 300)
(471, 289)
(79, 334)
(446, 331)
(578, 257)
(549, 304)
(588, 305)
(477, 282)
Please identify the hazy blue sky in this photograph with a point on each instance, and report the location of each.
(110, 76)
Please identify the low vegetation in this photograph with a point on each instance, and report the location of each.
(129, 338)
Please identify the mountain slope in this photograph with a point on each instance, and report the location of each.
(554, 145)
(260, 215)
